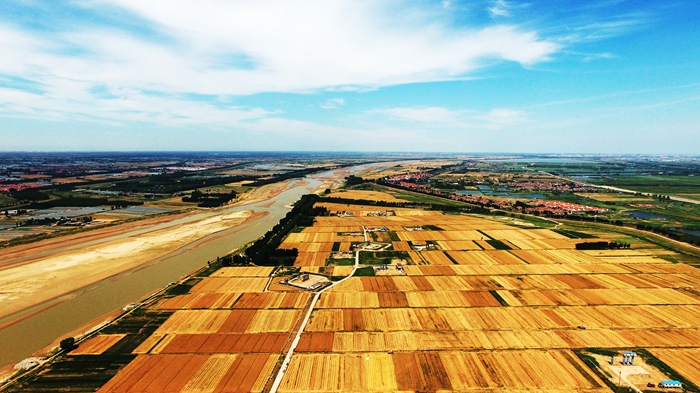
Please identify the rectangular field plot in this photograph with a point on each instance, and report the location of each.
(193, 373)
(470, 340)
(225, 321)
(230, 285)
(504, 318)
(216, 301)
(247, 271)
(312, 259)
(209, 301)
(97, 344)
(685, 361)
(225, 343)
(439, 371)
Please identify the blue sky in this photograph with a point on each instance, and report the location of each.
(608, 76)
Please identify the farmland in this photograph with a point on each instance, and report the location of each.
(467, 315)
(486, 307)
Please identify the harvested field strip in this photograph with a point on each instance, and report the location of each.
(273, 321)
(97, 344)
(159, 373)
(521, 234)
(573, 297)
(505, 318)
(524, 269)
(149, 343)
(437, 258)
(340, 372)
(247, 271)
(431, 371)
(195, 321)
(519, 370)
(438, 270)
(503, 340)
(587, 288)
(457, 245)
(378, 284)
(225, 343)
(685, 361)
(312, 258)
(223, 321)
(209, 301)
(348, 300)
(272, 300)
(210, 374)
(316, 342)
(230, 285)
(420, 371)
(451, 299)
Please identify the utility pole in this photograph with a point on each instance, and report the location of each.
(619, 381)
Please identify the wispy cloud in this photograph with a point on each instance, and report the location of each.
(333, 103)
(427, 115)
(496, 118)
(500, 8)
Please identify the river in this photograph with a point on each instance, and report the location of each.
(74, 310)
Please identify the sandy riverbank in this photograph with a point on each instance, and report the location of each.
(41, 280)
(35, 273)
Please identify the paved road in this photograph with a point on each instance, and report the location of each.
(288, 358)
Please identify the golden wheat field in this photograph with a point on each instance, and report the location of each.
(491, 308)
(518, 294)
(685, 361)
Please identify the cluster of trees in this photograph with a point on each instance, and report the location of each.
(82, 202)
(353, 180)
(231, 260)
(671, 234)
(601, 245)
(29, 195)
(174, 182)
(209, 199)
(53, 220)
(286, 176)
(264, 251)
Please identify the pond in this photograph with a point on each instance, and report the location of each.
(645, 215)
(687, 231)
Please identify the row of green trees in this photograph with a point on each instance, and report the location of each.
(264, 251)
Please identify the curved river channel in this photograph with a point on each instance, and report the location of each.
(74, 310)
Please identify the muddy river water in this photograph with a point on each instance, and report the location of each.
(36, 331)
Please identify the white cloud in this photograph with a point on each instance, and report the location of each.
(504, 117)
(500, 8)
(427, 115)
(456, 119)
(333, 103)
(225, 48)
(292, 47)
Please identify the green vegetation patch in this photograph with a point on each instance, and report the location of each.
(382, 257)
(340, 262)
(79, 373)
(593, 364)
(498, 245)
(364, 271)
(573, 234)
(184, 288)
(603, 351)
